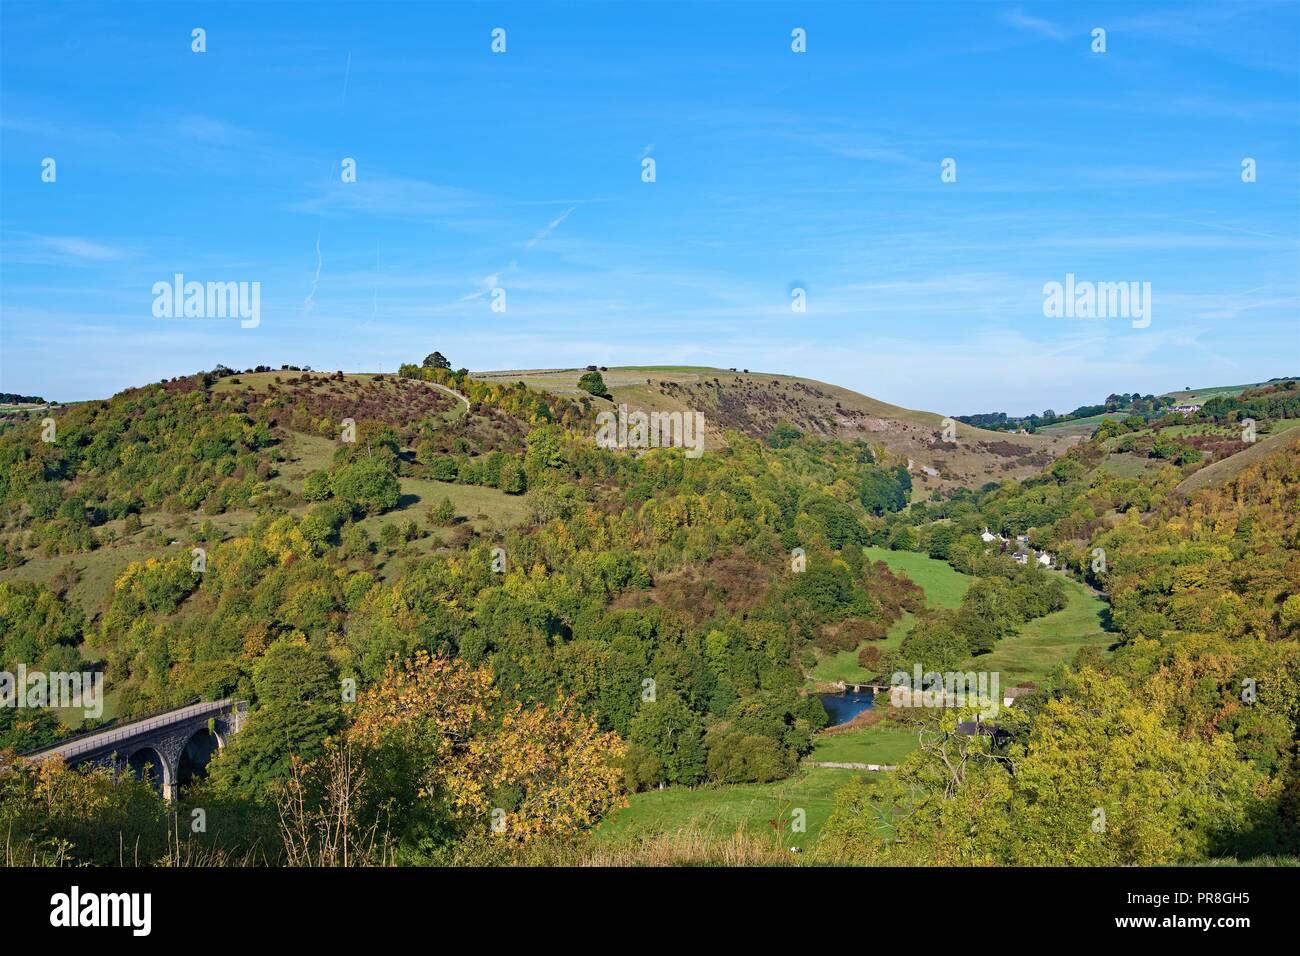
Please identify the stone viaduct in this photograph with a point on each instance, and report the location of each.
(169, 749)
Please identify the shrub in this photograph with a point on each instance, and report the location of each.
(366, 484)
(316, 487)
(444, 514)
(592, 382)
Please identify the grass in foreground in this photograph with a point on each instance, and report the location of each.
(759, 811)
(880, 743)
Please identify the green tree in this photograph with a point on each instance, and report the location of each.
(783, 435)
(668, 736)
(316, 486)
(298, 704)
(28, 728)
(545, 450)
(942, 538)
(511, 478)
(745, 758)
(934, 643)
(593, 383)
(366, 484)
(1163, 798)
(444, 514)
(882, 490)
(903, 538)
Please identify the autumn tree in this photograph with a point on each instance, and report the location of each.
(456, 760)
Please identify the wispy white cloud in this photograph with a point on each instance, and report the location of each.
(395, 196)
(212, 130)
(31, 249)
(84, 248)
(310, 302)
(550, 227)
(487, 284)
(1022, 20)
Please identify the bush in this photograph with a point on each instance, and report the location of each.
(593, 383)
(316, 487)
(783, 435)
(511, 478)
(444, 514)
(871, 658)
(745, 758)
(366, 484)
(356, 543)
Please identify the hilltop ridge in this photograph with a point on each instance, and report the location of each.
(753, 403)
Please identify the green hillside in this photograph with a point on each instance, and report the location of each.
(544, 627)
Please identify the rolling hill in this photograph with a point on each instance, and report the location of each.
(1224, 470)
(753, 403)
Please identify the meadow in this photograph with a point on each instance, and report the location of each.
(881, 743)
(763, 810)
(943, 587)
(1041, 644)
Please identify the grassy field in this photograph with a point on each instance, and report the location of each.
(564, 381)
(881, 743)
(1041, 644)
(259, 381)
(1126, 465)
(98, 569)
(483, 506)
(1213, 391)
(759, 809)
(1079, 425)
(1028, 655)
(304, 454)
(483, 509)
(942, 585)
(1197, 428)
(843, 665)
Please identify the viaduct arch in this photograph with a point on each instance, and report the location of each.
(170, 748)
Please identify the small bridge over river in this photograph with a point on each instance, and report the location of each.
(876, 688)
(169, 748)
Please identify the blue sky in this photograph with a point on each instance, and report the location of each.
(774, 170)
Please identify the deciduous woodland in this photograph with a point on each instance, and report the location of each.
(474, 636)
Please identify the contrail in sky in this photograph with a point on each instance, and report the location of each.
(308, 304)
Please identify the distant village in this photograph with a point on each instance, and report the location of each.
(1021, 551)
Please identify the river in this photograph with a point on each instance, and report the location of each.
(844, 707)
